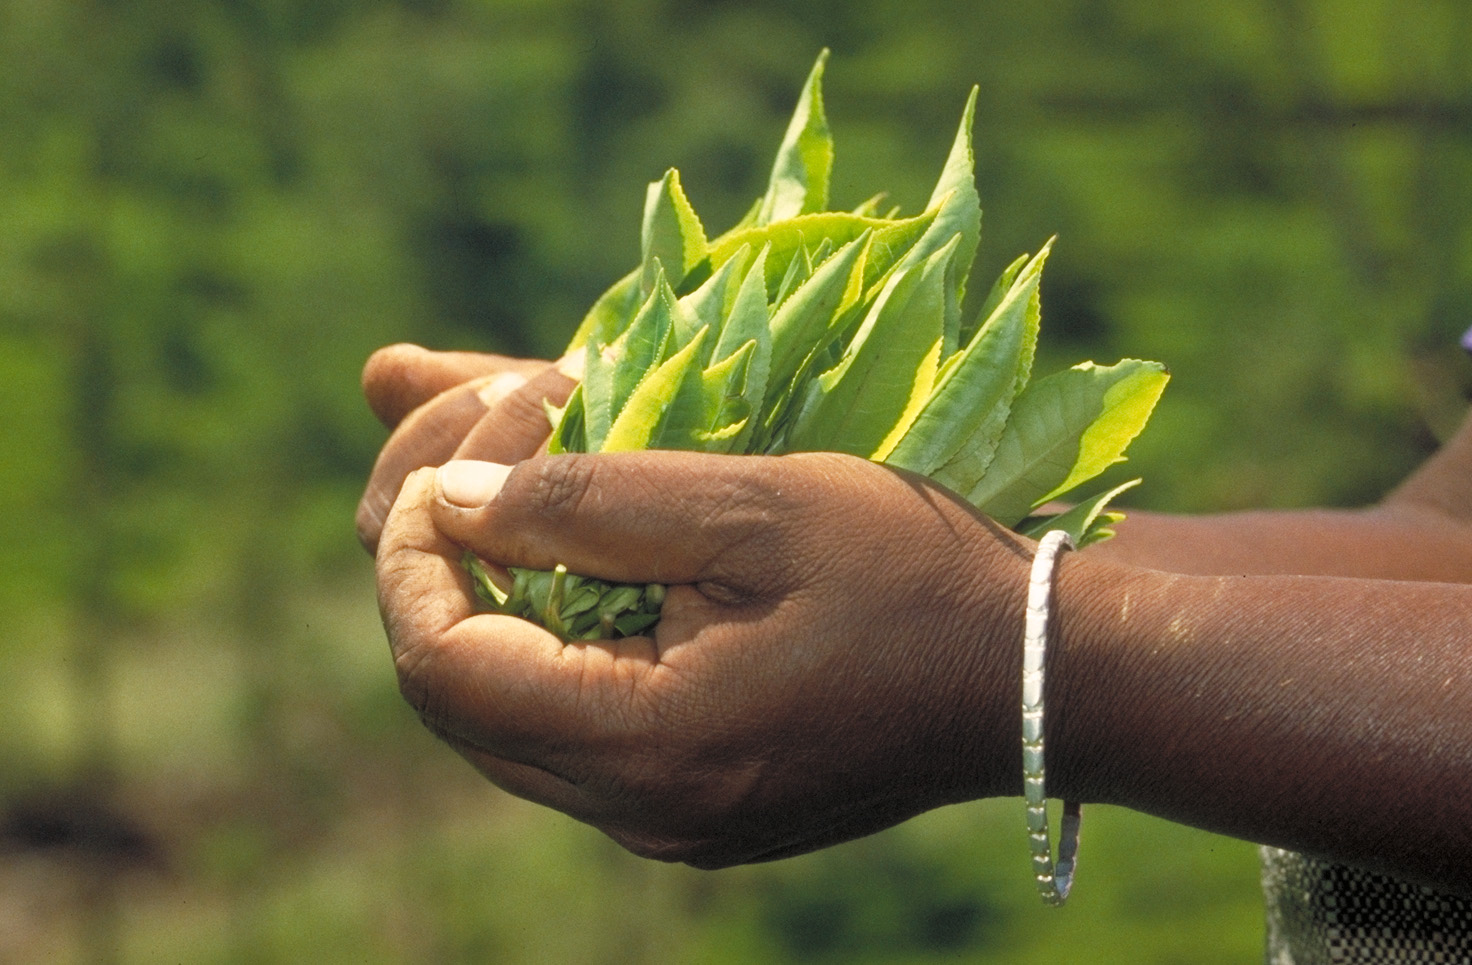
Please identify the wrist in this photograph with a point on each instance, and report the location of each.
(1087, 668)
(987, 636)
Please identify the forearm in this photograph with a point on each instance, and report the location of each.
(1387, 542)
(1324, 715)
(1421, 531)
(1443, 486)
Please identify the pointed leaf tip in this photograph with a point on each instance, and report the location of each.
(672, 234)
(800, 174)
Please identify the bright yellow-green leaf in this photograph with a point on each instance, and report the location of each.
(1087, 522)
(1064, 429)
(885, 373)
(749, 321)
(712, 303)
(994, 297)
(670, 386)
(957, 204)
(786, 239)
(712, 418)
(611, 313)
(799, 181)
(612, 371)
(804, 320)
(956, 431)
(672, 236)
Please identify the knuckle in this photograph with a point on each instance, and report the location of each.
(413, 666)
(559, 487)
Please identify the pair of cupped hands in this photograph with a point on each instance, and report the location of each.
(840, 647)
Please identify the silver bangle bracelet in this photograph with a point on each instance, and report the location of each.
(1053, 881)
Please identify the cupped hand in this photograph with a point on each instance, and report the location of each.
(838, 650)
(446, 404)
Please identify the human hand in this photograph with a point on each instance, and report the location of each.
(446, 404)
(838, 650)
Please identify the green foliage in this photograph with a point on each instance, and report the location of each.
(860, 351)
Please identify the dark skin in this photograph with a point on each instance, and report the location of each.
(1299, 679)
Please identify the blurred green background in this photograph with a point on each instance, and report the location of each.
(212, 212)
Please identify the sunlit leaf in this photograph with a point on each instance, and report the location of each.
(710, 412)
(750, 322)
(804, 320)
(611, 313)
(712, 303)
(785, 240)
(672, 237)
(955, 434)
(799, 181)
(670, 391)
(886, 371)
(612, 371)
(1087, 521)
(1063, 429)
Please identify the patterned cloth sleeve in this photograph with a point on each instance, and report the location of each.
(1319, 913)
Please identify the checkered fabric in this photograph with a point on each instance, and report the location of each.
(1327, 914)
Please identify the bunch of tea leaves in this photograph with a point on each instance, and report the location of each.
(804, 329)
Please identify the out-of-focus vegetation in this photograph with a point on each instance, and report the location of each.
(210, 213)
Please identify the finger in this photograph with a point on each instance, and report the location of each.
(499, 417)
(494, 683)
(400, 378)
(668, 517)
(428, 437)
(516, 427)
(439, 643)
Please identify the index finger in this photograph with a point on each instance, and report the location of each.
(499, 417)
(397, 379)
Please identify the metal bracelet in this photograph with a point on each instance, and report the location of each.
(1053, 880)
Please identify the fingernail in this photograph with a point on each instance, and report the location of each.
(498, 387)
(469, 483)
(571, 364)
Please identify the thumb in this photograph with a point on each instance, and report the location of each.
(664, 517)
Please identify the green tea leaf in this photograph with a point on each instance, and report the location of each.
(672, 235)
(994, 297)
(886, 370)
(799, 270)
(711, 303)
(958, 205)
(612, 371)
(1086, 522)
(955, 434)
(799, 181)
(709, 413)
(749, 321)
(485, 587)
(1064, 429)
(611, 313)
(668, 392)
(633, 624)
(568, 428)
(787, 239)
(806, 317)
